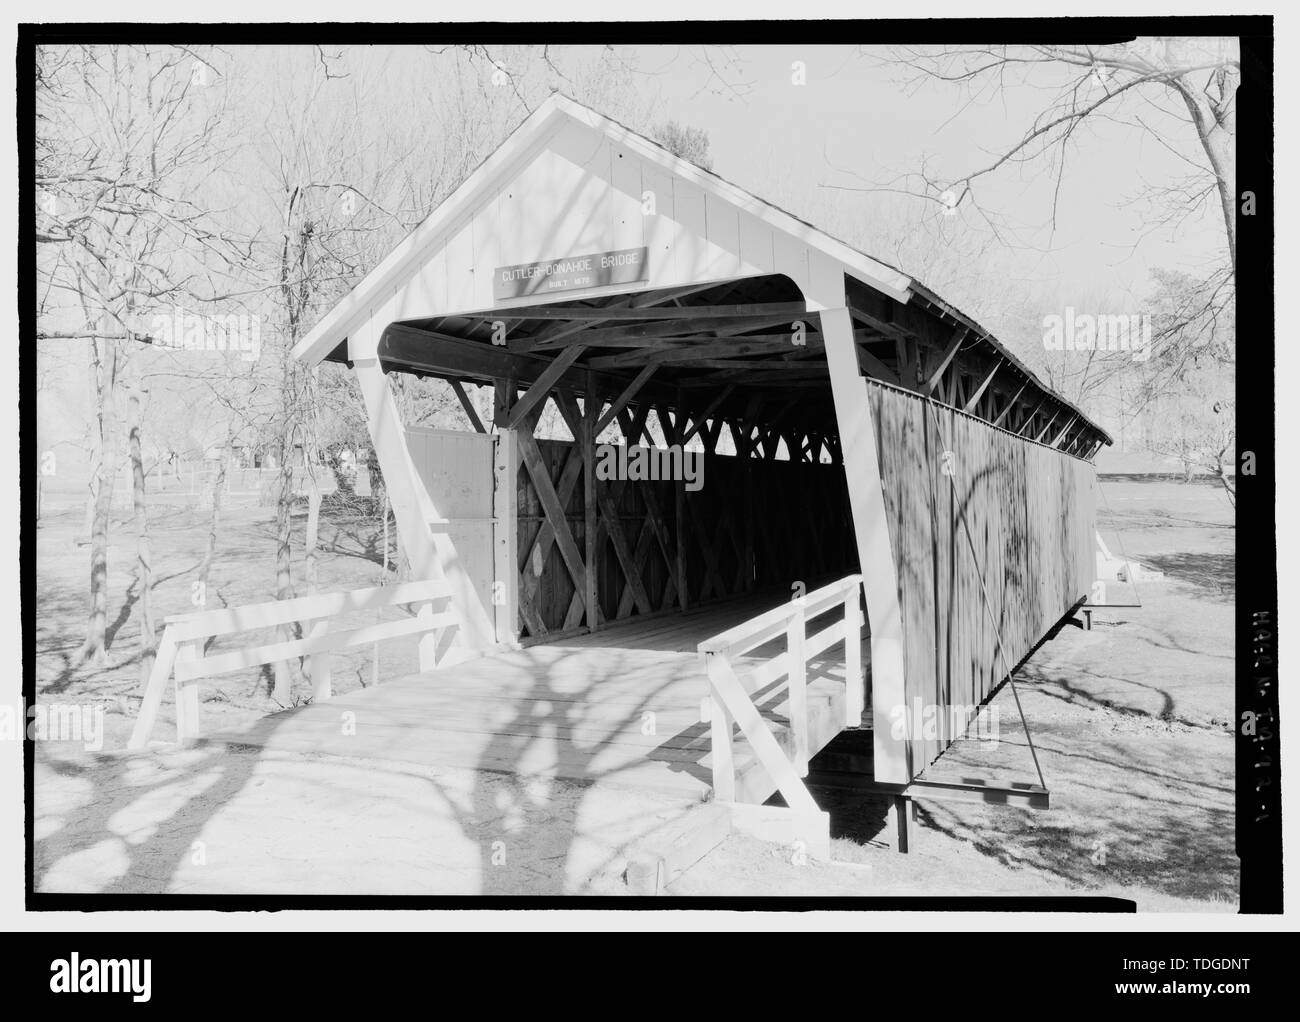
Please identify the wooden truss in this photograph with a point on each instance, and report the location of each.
(739, 366)
(724, 342)
(592, 550)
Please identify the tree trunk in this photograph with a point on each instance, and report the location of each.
(313, 468)
(313, 523)
(214, 522)
(92, 440)
(285, 671)
(377, 485)
(95, 646)
(96, 471)
(1228, 480)
(144, 570)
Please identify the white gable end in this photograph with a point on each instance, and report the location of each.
(569, 183)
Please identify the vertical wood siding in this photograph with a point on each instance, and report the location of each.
(1031, 515)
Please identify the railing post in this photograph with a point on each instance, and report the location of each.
(796, 632)
(187, 695)
(854, 696)
(720, 726)
(319, 666)
(154, 689)
(735, 703)
(428, 640)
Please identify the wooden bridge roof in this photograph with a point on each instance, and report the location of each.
(723, 318)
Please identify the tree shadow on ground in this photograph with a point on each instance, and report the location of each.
(145, 829)
(526, 823)
(1213, 574)
(1148, 806)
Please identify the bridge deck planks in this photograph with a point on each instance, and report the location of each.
(576, 709)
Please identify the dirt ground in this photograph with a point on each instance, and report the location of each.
(1131, 722)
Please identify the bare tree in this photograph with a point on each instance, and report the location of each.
(1188, 80)
(1187, 390)
(153, 195)
(335, 194)
(123, 142)
(1180, 94)
(144, 562)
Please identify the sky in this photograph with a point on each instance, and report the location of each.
(857, 122)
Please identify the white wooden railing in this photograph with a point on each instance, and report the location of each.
(729, 698)
(181, 655)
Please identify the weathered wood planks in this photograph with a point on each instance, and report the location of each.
(975, 516)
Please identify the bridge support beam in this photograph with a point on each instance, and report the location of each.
(431, 553)
(875, 552)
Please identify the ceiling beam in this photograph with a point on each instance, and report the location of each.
(877, 324)
(617, 336)
(433, 354)
(637, 301)
(604, 312)
(762, 344)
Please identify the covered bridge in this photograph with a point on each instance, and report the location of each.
(859, 438)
